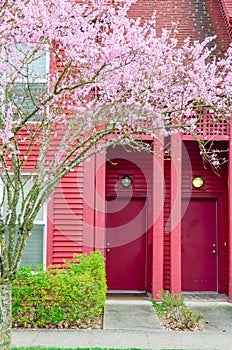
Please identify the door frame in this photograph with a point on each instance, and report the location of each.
(220, 234)
(148, 203)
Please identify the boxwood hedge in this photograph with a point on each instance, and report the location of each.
(60, 297)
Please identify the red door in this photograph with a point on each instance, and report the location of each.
(126, 244)
(199, 245)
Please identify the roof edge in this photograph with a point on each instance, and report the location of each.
(226, 8)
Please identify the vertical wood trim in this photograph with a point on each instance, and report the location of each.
(88, 205)
(100, 198)
(50, 226)
(158, 219)
(176, 144)
(230, 217)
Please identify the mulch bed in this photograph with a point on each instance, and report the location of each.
(95, 323)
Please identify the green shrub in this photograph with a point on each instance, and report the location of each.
(58, 297)
(168, 302)
(174, 314)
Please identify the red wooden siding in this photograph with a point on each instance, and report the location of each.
(66, 218)
(24, 142)
(136, 164)
(195, 19)
(227, 4)
(143, 9)
(226, 8)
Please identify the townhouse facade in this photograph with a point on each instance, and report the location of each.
(160, 224)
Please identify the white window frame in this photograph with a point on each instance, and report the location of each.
(47, 69)
(45, 80)
(43, 222)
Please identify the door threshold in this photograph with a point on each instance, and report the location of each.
(129, 293)
(204, 296)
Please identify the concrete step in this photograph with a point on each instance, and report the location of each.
(130, 315)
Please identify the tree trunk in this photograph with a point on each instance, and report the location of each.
(5, 315)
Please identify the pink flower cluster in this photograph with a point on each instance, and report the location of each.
(109, 69)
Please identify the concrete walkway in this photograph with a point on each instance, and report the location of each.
(134, 324)
(135, 315)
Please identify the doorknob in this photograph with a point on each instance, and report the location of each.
(107, 250)
(214, 252)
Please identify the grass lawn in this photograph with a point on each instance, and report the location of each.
(38, 348)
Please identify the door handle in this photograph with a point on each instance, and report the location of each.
(214, 251)
(107, 250)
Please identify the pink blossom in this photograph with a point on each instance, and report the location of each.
(105, 69)
(6, 134)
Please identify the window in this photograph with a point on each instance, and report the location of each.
(35, 251)
(27, 79)
(26, 97)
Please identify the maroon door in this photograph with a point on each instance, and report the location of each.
(126, 244)
(199, 245)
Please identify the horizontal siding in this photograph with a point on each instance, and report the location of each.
(213, 182)
(226, 9)
(143, 9)
(194, 19)
(25, 148)
(67, 217)
(136, 164)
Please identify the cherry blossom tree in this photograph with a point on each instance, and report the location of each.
(76, 78)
